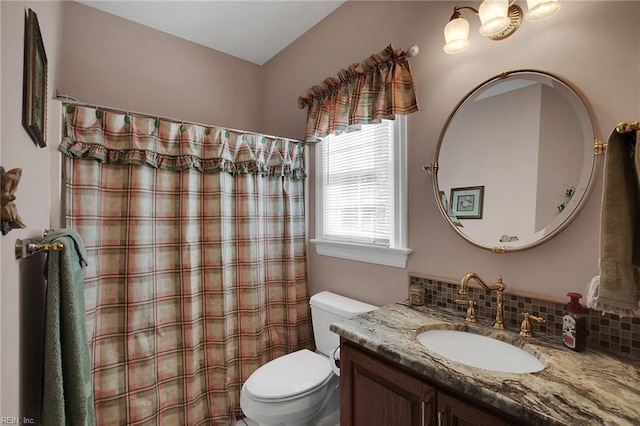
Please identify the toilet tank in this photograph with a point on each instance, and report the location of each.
(327, 308)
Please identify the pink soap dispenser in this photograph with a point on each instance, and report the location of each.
(574, 325)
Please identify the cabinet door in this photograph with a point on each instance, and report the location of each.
(374, 393)
(455, 412)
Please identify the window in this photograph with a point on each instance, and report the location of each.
(361, 194)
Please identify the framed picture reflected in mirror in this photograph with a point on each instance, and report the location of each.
(447, 208)
(466, 203)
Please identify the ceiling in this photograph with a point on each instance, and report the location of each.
(251, 30)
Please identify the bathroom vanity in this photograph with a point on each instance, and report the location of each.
(376, 391)
(389, 377)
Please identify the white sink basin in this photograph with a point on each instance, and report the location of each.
(480, 351)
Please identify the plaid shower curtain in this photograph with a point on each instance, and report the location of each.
(197, 264)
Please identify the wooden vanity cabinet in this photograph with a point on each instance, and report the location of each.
(374, 392)
(378, 392)
(453, 411)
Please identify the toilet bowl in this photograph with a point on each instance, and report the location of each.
(295, 389)
(301, 388)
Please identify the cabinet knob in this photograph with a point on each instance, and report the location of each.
(441, 415)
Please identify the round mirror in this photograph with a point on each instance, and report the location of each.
(516, 160)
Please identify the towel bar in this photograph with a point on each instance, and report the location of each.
(628, 126)
(28, 247)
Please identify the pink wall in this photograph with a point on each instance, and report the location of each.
(33, 195)
(99, 58)
(575, 44)
(111, 61)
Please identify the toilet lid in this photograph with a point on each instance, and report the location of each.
(289, 375)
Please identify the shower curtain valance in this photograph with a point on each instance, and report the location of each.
(122, 138)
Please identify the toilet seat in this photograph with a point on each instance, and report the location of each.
(289, 376)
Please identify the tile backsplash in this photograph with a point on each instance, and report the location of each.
(609, 332)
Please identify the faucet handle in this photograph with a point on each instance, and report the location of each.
(500, 286)
(525, 326)
(471, 309)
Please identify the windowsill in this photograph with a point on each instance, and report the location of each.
(396, 257)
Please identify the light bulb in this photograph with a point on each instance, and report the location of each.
(539, 10)
(493, 16)
(456, 34)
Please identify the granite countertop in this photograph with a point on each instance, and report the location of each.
(575, 388)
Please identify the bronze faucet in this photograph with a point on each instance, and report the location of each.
(498, 287)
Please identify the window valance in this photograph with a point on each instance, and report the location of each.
(378, 87)
(114, 137)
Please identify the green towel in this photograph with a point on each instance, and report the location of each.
(619, 283)
(67, 395)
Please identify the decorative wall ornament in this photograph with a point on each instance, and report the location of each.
(9, 212)
(34, 102)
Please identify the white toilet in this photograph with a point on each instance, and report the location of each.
(301, 388)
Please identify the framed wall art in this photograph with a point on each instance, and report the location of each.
(466, 203)
(34, 102)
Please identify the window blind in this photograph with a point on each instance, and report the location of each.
(357, 185)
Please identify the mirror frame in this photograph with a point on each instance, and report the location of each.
(598, 151)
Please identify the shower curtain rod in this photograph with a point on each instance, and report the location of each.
(70, 100)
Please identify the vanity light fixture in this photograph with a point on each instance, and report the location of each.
(498, 20)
